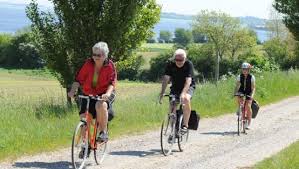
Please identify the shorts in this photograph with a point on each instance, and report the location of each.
(247, 98)
(177, 94)
(92, 106)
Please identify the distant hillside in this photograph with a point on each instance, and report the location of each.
(250, 21)
(13, 17)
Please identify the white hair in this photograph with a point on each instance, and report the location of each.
(101, 47)
(180, 52)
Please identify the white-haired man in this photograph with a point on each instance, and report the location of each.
(180, 72)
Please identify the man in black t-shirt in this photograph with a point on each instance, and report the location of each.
(180, 73)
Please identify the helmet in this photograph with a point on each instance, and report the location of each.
(246, 65)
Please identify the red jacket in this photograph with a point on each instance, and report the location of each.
(107, 76)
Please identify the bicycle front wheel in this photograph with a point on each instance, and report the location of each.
(167, 136)
(79, 146)
(182, 136)
(100, 152)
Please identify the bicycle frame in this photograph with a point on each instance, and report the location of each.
(88, 120)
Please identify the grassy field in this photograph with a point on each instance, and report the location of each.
(156, 47)
(34, 117)
(286, 159)
(152, 50)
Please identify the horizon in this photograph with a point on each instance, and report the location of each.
(240, 8)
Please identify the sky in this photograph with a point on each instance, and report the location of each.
(257, 8)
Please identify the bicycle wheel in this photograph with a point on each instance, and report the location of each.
(239, 124)
(167, 136)
(79, 147)
(182, 136)
(100, 152)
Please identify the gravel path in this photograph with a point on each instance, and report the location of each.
(215, 145)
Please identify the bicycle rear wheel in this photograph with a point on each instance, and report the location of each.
(79, 146)
(167, 136)
(182, 136)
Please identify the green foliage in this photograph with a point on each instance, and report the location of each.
(66, 37)
(129, 68)
(218, 27)
(224, 33)
(182, 37)
(165, 36)
(198, 37)
(157, 67)
(19, 52)
(203, 59)
(290, 9)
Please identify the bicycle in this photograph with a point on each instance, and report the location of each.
(84, 138)
(171, 128)
(242, 114)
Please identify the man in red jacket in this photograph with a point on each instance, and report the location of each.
(97, 77)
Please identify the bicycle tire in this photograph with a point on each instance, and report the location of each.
(167, 135)
(78, 143)
(182, 138)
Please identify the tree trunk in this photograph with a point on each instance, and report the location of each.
(217, 67)
(69, 100)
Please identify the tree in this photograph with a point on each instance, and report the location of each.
(20, 53)
(165, 36)
(66, 37)
(241, 39)
(198, 37)
(219, 29)
(276, 27)
(5, 41)
(182, 37)
(290, 9)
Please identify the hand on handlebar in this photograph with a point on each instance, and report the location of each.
(71, 94)
(160, 98)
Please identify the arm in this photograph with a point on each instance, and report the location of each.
(74, 89)
(238, 84)
(165, 82)
(188, 81)
(187, 85)
(252, 89)
(79, 80)
(113, 79)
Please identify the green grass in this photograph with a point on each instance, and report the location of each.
(152, 50)
(156, 47)
(34, 117)
(286, 159)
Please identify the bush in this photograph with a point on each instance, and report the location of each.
(129, 68)
(20, 53)
(157, 66)
(203, 59)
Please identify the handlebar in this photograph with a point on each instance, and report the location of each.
(98, 98)
(242, 95)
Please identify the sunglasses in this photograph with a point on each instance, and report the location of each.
(179, 60)
(97, 55)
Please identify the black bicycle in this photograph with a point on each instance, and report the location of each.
(171, 129)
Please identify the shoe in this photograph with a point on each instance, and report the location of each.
(81, 153)
(184, 129)
(102, 137)
(247, 125)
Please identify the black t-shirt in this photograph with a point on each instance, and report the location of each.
(179, 75)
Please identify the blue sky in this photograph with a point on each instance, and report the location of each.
(257, 8)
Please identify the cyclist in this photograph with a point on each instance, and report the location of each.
(180, 72)
(97, 77)
(246, 85)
